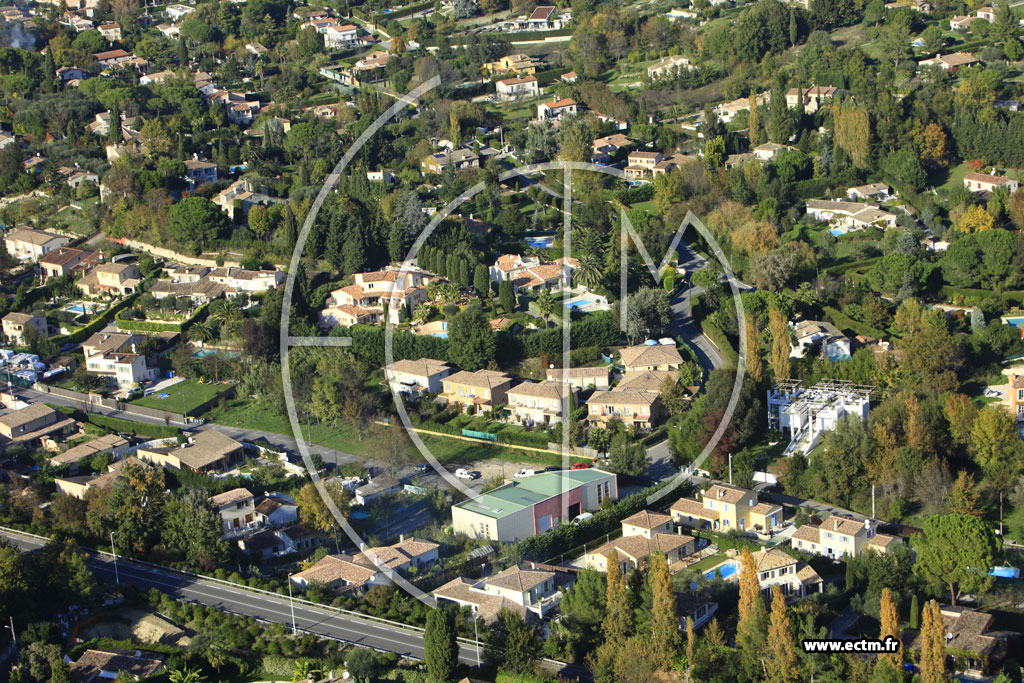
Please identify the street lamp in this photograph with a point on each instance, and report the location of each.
(291, 602)
(117, 577)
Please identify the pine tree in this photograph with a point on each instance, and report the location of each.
(779, 329)
(890, 627)
(750, 626)
(618, 619)
(755, 364)
(781, 661)
(664, 618)
(441, 650)
(933, 645)
(915, 613)
(754, 122)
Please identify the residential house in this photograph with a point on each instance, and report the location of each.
(795, 578)
(769, 150)
(113, 663)
(31, 423)
(483, 390)
(697, 605)
(199, 171)
(977, 649)
(547, 18)
(169, 30)
(512, 64)
(724, 507)
(263, 545)
(839, 537)
(117, 279)
(555, 110)
(276, 510)
(256, 48)
(879, 191)
(607, 147)
(201, 291)
(207, 451)
(538, 403)
(111, 31)
(113, 444)
(176, 12)
(641, 164)
(650, 357)
(237, 510)
(640, 409)
(509, 266)
(65, 261)
(813, 98)
(727, 111)
(237, 280)
(397, 290)
(835, 346)
(459, 159)
(525, 589)
(961, 22)
(381, 175)
(239, 198)
(669, 67)
(529, 506)
(66, 74)
(642, 534)
(117, 357)
(582, 378)
(951, 62)
(1015, 397)
(509, 89)
(28, 244)
(381, 485)
(414, 378)
(569, 77)
(985, 182)
(112, 58)
(986, 13)
(15, 325)
(359, 572)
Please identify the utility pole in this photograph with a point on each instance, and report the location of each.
(476, 637)
(14, 639)
(291, 602)
(730, 469)
(117, 577)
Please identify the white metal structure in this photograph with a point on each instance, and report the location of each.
(806, 413)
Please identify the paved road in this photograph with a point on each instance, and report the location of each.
(326, 623)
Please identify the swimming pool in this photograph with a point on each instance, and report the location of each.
(1017, 321)
(578, 303)
(540, 242)
(203, 353)
(76, 308)
(723, 570)
(835, 232)
(1005, 572)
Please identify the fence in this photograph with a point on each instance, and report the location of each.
(88, 400)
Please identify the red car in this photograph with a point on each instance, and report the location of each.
(581, 466)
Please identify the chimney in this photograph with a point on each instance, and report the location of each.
(133, 349)
(836, 527)
(401, 538)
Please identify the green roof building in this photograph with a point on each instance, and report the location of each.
(532, 505)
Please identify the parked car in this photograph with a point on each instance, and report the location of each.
(524, 473)
(423, 468)
(583, 518)
(463, 474)
(581, 466)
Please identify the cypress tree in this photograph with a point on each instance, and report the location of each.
(890, 627)
(664, 618)
(291, 234)
(781, 664)
(933, 645)
(441, 650)
(750, 626)
(507, 296)
(755, 364)
(915, 613)
(691, 641)
(618, 619)
(481, 282)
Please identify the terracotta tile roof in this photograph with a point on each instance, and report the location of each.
(481, 378)
(882, 540)
(424, 367)
(93, 663)
(85, 450)
(772, 559)
(725, 493)
(645, 380)
(647, 520)
(693, 508)
(334, 568)
(806, 575)
(640, 548)
(764, 508)
(842, 525)
(230, 497)
(488, 606)
(553, 390)
(650, 354)
(808, 532)
(519, 579)
(622, 398)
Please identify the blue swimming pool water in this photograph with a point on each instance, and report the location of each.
(1005, 572)
(724, 571)
(540, 242)
(203, 353)
(580, 303)
(1016, 322)
(76, 308)
(835, 232)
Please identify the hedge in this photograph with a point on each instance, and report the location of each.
(116, 424)
(81, 334)
(149, 326)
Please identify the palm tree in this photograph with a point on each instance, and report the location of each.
(304, 671)
(227, 313)
(588, 272)
(202, 332)
(186, 675)
(545, 304)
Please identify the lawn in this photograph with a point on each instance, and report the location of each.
(187, 396)
(955, 177)
(342, 438)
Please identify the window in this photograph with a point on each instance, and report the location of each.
(726, 507)
(828, 535)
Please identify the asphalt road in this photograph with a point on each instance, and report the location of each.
(326, 623)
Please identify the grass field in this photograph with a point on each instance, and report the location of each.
(238, 413)
(187, 396)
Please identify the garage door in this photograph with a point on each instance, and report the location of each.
(543, 524)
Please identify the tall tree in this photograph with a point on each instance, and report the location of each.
(751, 620)
(137, 501)
(441, 650)
(618, 617)
(691, 641)
(956, 551)
(193, 527)
(482, 282)
(933, 645)
(890, 627)
(513, 644)
(779, 330)
(471, 340)
(781, 653)
(754, 361)
(754, 122)
(780, 126)
(507, 296)
(664, 618)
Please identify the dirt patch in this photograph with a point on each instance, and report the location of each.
(137, 625)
